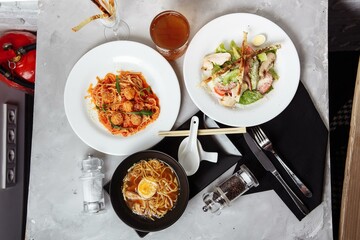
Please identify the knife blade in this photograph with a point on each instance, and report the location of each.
(221, 139)
(259, 154)
(267, 164)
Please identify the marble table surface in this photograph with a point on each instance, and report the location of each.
(55, 192)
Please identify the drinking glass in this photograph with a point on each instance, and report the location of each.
(114, 27)
(170, 32)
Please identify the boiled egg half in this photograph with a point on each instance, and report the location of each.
(147, 188)
(259, 40)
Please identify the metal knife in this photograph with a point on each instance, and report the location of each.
(267, 164)
(221, 139)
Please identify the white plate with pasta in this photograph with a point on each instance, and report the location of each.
(118, 116)
(230, 108)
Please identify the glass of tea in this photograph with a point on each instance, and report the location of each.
(170, 32)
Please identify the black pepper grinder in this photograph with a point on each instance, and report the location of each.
(229, 190)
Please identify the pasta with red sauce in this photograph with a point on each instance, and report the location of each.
(125, 102)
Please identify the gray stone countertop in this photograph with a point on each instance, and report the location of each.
(55, 194)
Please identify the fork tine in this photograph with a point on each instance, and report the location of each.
(262, 132)
(257, 137)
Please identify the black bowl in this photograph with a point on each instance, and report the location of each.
(125, 213)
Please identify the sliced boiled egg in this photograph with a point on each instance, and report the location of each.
(147, 188)
(259, 40)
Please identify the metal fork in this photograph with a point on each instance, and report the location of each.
(265, 143)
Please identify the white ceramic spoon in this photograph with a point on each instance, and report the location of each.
(189, 158)
(208, 156)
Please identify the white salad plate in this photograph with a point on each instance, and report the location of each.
(223, 30)
(111, 57)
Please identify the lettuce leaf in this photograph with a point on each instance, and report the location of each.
(230, 76)
(221, 48)
(249, 97)
(235, 51)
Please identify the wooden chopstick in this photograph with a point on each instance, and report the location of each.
(211, 131)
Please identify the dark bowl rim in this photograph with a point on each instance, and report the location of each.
(135, 221)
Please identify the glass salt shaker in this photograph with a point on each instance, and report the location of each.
(92, 179)
(229, 190)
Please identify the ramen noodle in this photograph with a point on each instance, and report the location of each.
(125, 102)
(150, 188)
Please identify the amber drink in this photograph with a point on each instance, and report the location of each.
(170, 31)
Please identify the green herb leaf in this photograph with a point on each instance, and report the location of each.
(117, 84)
(143, 112)
(104, 107)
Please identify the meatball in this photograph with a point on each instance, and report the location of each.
(117, 119)
(135, 119)
(127, 121)
(138, 106)
(127, 106)
(107, 96)
(115, 106)
(129, 93)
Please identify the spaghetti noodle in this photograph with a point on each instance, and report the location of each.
(125, 102)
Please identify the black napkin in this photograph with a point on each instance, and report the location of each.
(300, 137)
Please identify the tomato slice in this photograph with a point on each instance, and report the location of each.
(219, 91)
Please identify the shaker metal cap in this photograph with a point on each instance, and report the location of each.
(91, 164)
